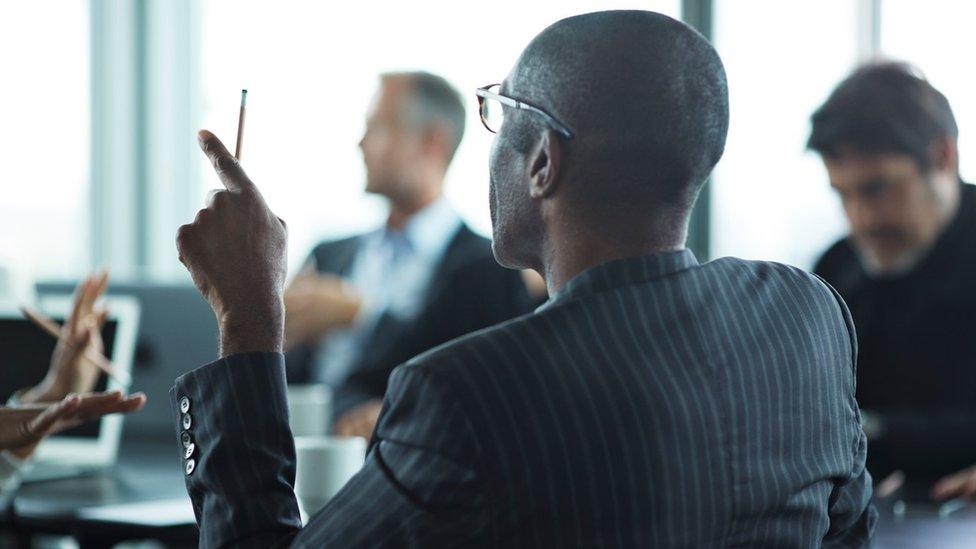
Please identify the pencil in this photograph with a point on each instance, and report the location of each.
(240, 126)
(52, 328)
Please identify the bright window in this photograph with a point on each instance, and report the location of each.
(44, 137)
(311, 70)
(771, 198)
(937, 40)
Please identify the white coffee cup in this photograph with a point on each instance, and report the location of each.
(325, 464)
(309, 408)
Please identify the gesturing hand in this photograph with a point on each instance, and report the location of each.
(21, 428)
(959, 485)
(315, 304)
(360, 421)
(81, 334)
(235, 250)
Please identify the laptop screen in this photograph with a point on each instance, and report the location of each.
(25, 355)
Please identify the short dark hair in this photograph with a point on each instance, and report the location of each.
(646, 96)
(435, 101)
(883, 108)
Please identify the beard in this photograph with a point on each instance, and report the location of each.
(891, 266)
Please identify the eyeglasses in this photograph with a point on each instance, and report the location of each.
(491, 103)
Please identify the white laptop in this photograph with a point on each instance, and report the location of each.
(25, 354)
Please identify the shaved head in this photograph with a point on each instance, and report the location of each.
(647, 101)
(645, 94)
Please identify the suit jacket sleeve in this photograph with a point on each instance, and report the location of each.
(420, 484)
(852, 515)
(244, 459)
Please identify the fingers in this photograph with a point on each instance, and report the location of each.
(27, 425)
(77, 306)
(93, 289)
(101, 285)
(96, 405)
(359, 422)
(211, 195)
(84, 337)
(961, 484)
(87, 293)
(227, 167)
(946, 488)
(47, 421)
(360, 426)
(343, 427)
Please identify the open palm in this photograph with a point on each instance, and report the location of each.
(25, 426)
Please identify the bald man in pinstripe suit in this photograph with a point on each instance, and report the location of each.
(652, 402)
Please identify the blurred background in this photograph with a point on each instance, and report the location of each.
(101, 105)
(101, 101)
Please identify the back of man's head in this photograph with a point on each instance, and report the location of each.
(432, 104)
(883, 108)
(645, 95)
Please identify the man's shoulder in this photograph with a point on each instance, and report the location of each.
(331, 245)
(467, 246)
(769, 272)
(325, 254)
(776, 283)
(967, 211)
(838, 258)
(481, 346)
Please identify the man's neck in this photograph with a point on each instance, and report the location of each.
(401, 211)
(573, 255)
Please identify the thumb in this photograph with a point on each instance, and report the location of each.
(227, 167)
(43, 424)
(84, 338)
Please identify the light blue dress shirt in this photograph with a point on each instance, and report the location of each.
(392, 271)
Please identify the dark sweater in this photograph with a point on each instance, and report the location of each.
(917, 350)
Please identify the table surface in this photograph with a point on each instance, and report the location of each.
(152, 472)
(925, 529)
(146, 472)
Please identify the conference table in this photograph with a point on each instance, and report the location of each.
(141, 498)
(921, 526)
(144, 498)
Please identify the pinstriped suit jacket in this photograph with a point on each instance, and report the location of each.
(653, 402)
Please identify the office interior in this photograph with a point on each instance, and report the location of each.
(102, 101)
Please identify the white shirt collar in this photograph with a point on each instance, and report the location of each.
(430, 230)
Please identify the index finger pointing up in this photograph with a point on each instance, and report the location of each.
(227, 167)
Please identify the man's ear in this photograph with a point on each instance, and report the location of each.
(437, 140)
(945, 154)
(544, 169)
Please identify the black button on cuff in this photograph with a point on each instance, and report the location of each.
(186, 439)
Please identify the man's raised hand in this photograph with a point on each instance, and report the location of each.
(236, 252)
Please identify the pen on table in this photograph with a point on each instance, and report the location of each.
(240, 126)
(52, 328)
